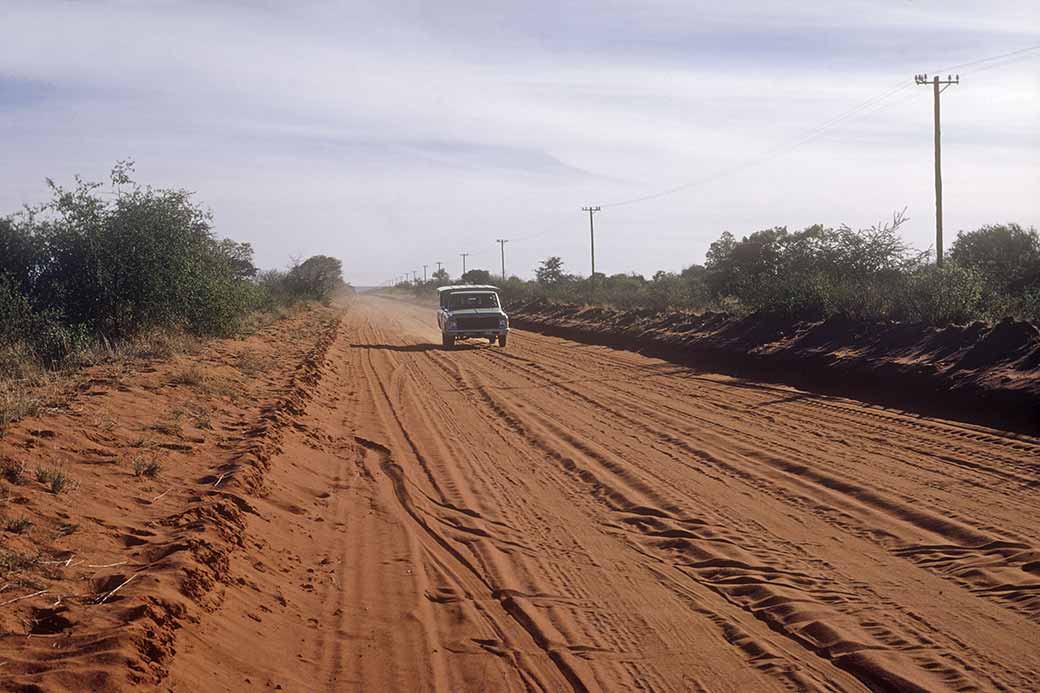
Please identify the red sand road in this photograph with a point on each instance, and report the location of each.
(555, 516)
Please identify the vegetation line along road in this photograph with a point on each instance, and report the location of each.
(869, 274)
(87, 276)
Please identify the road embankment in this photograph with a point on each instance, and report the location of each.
(980, 373)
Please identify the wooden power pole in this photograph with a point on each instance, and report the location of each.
(936, 83)
(592, 239)
(502, 244)
(464, 256)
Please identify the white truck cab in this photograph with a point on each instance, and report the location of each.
(471, 311)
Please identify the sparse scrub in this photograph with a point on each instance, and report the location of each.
(192, 376)
(92, 276)
(17, 525)
(57, 479)
(146, 466)
(868, 275)
(13, 471)
(252, 363)
(14, 562)
(61, 481)
(171, 427)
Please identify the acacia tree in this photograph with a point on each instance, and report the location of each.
(477, 276)
(550, 272)
(317, 277)
(1006, 255)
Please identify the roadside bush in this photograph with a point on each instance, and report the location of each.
(940, 295)
(317, 278)
(85, 268)
(866, 275)
(1006, 256)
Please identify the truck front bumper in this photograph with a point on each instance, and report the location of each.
(465, 333)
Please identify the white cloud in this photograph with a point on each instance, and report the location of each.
(404, 134)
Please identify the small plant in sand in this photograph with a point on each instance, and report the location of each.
(192, 376)
(13, 562)
(16, 525)
(65, 530)
(252, 363)
(170, 428)
(60, 481)
(105, 423)
(13, 471)
(56, 479)
(146, 466)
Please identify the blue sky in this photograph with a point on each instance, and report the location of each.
(404, 134)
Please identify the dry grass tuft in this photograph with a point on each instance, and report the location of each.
(26, 387)
(171, 427)
(56, 479)
(251, 363)
(15, 525)
(146, 466)
(192, 376)
(13, 471)
(14, 562)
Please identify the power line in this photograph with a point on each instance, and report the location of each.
(772, 153)
(991, 58)
(871, 105)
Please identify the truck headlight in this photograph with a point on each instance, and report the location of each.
(503, 322)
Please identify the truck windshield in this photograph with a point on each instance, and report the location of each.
(484, 300)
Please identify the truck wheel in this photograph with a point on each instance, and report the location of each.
(501, 340)
(491, 340)
(448, 341)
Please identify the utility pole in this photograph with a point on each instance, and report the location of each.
(464, 256)
(936, 83)
(502, 244)
(424, 274)
(439, 266)
(592, 238)
(415, 276)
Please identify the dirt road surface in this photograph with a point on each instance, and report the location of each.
(554, 516)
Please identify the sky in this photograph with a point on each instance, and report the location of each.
(402, 133)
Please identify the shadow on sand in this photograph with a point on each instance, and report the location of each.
(416, 347)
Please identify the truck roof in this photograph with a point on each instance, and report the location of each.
(467, 287)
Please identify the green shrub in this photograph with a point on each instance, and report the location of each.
(941, 295)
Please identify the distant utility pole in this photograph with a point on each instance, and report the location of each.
(415, 276)
(439, 267)
(424, 274)
(936, 83)
(502, 244)
(592, 237)
(464, 256)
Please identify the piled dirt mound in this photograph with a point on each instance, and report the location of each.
(120, 513)
(987, 374)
